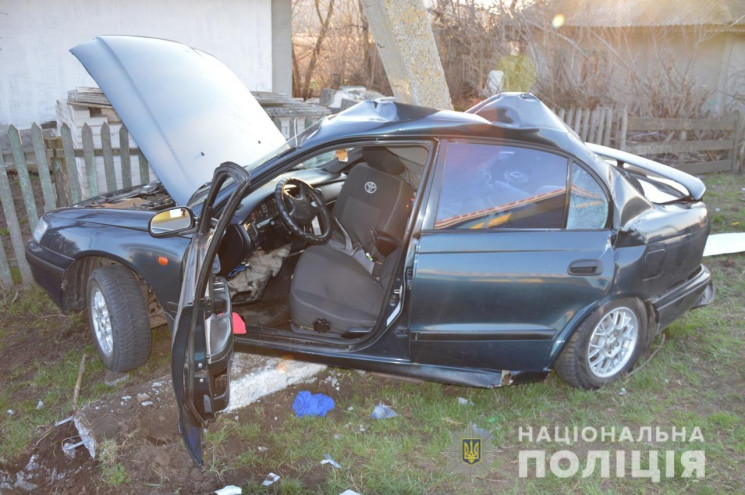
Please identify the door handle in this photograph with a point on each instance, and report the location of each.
(585, 267)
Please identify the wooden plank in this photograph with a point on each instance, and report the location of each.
(585, 123)
(570, 116)
(42, 168)
(11, 218)
(70, 168)
(126, 167)
(144, 169)
(24, 180)
(705, 167)
(733, 153)
(90, 161)
(662, 124)
(108, 157)
(577, 120)
(680, 146)
(600, 125)
(6, 279)
(608, 126)
(53, 148)
(623, 128)
(561, 113)
(593, 126)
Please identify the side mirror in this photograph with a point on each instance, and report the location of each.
(172, 221)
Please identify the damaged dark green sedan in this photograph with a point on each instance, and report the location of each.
(478, 248)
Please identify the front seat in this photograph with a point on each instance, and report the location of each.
(332, 291)
(375, 201)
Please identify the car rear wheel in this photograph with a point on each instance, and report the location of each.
(118, 318)
(605, 346)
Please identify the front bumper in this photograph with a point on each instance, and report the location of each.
(47, 273)
(692, 293)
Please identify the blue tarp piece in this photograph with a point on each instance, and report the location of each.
(306, 404)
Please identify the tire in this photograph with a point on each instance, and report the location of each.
(118, 318)
(591, 359)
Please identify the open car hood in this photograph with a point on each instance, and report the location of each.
(185, 109)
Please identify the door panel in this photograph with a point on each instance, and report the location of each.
(501, 297)
(202, 346)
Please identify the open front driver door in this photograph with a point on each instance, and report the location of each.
(202, 346)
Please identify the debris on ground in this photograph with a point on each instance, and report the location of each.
(349, 492)
(485, 434)
(271, 478)
(307, 404)
(229, 490)
(382, 411)
(40, 405)
(68, 448)
(113, 378)
(63, 421)
(328, 460)
(464, 402)
(333, 381)
(142, 398)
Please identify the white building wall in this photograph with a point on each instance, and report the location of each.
(36, 68)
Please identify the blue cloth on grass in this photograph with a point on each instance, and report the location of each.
(306, 404)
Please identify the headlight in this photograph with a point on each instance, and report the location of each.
(39, 230)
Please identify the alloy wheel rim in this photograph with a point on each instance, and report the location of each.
(101, 322)
(612, 342)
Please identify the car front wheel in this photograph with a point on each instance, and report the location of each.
(118, 318)
(605, 346)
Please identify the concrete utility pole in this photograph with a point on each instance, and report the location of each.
(407, 48)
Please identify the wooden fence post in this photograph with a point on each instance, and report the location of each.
(608, 126)
(585, 123)
(735, 143)
(593, 126)
(27, 190)
(6, 278)
(42, 167)
(144, 167)
(623, 128)
(53, 147)
(70, 168)
(577, 122)
(108, 158)
(16, 239)
(125, 158)
(89, 158)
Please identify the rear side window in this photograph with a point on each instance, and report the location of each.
(489, 186)
(588, 204)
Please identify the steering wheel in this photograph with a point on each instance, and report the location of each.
(298, 204)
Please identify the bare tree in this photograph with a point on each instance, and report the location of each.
(325, 21)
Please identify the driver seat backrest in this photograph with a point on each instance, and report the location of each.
(374, 196)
